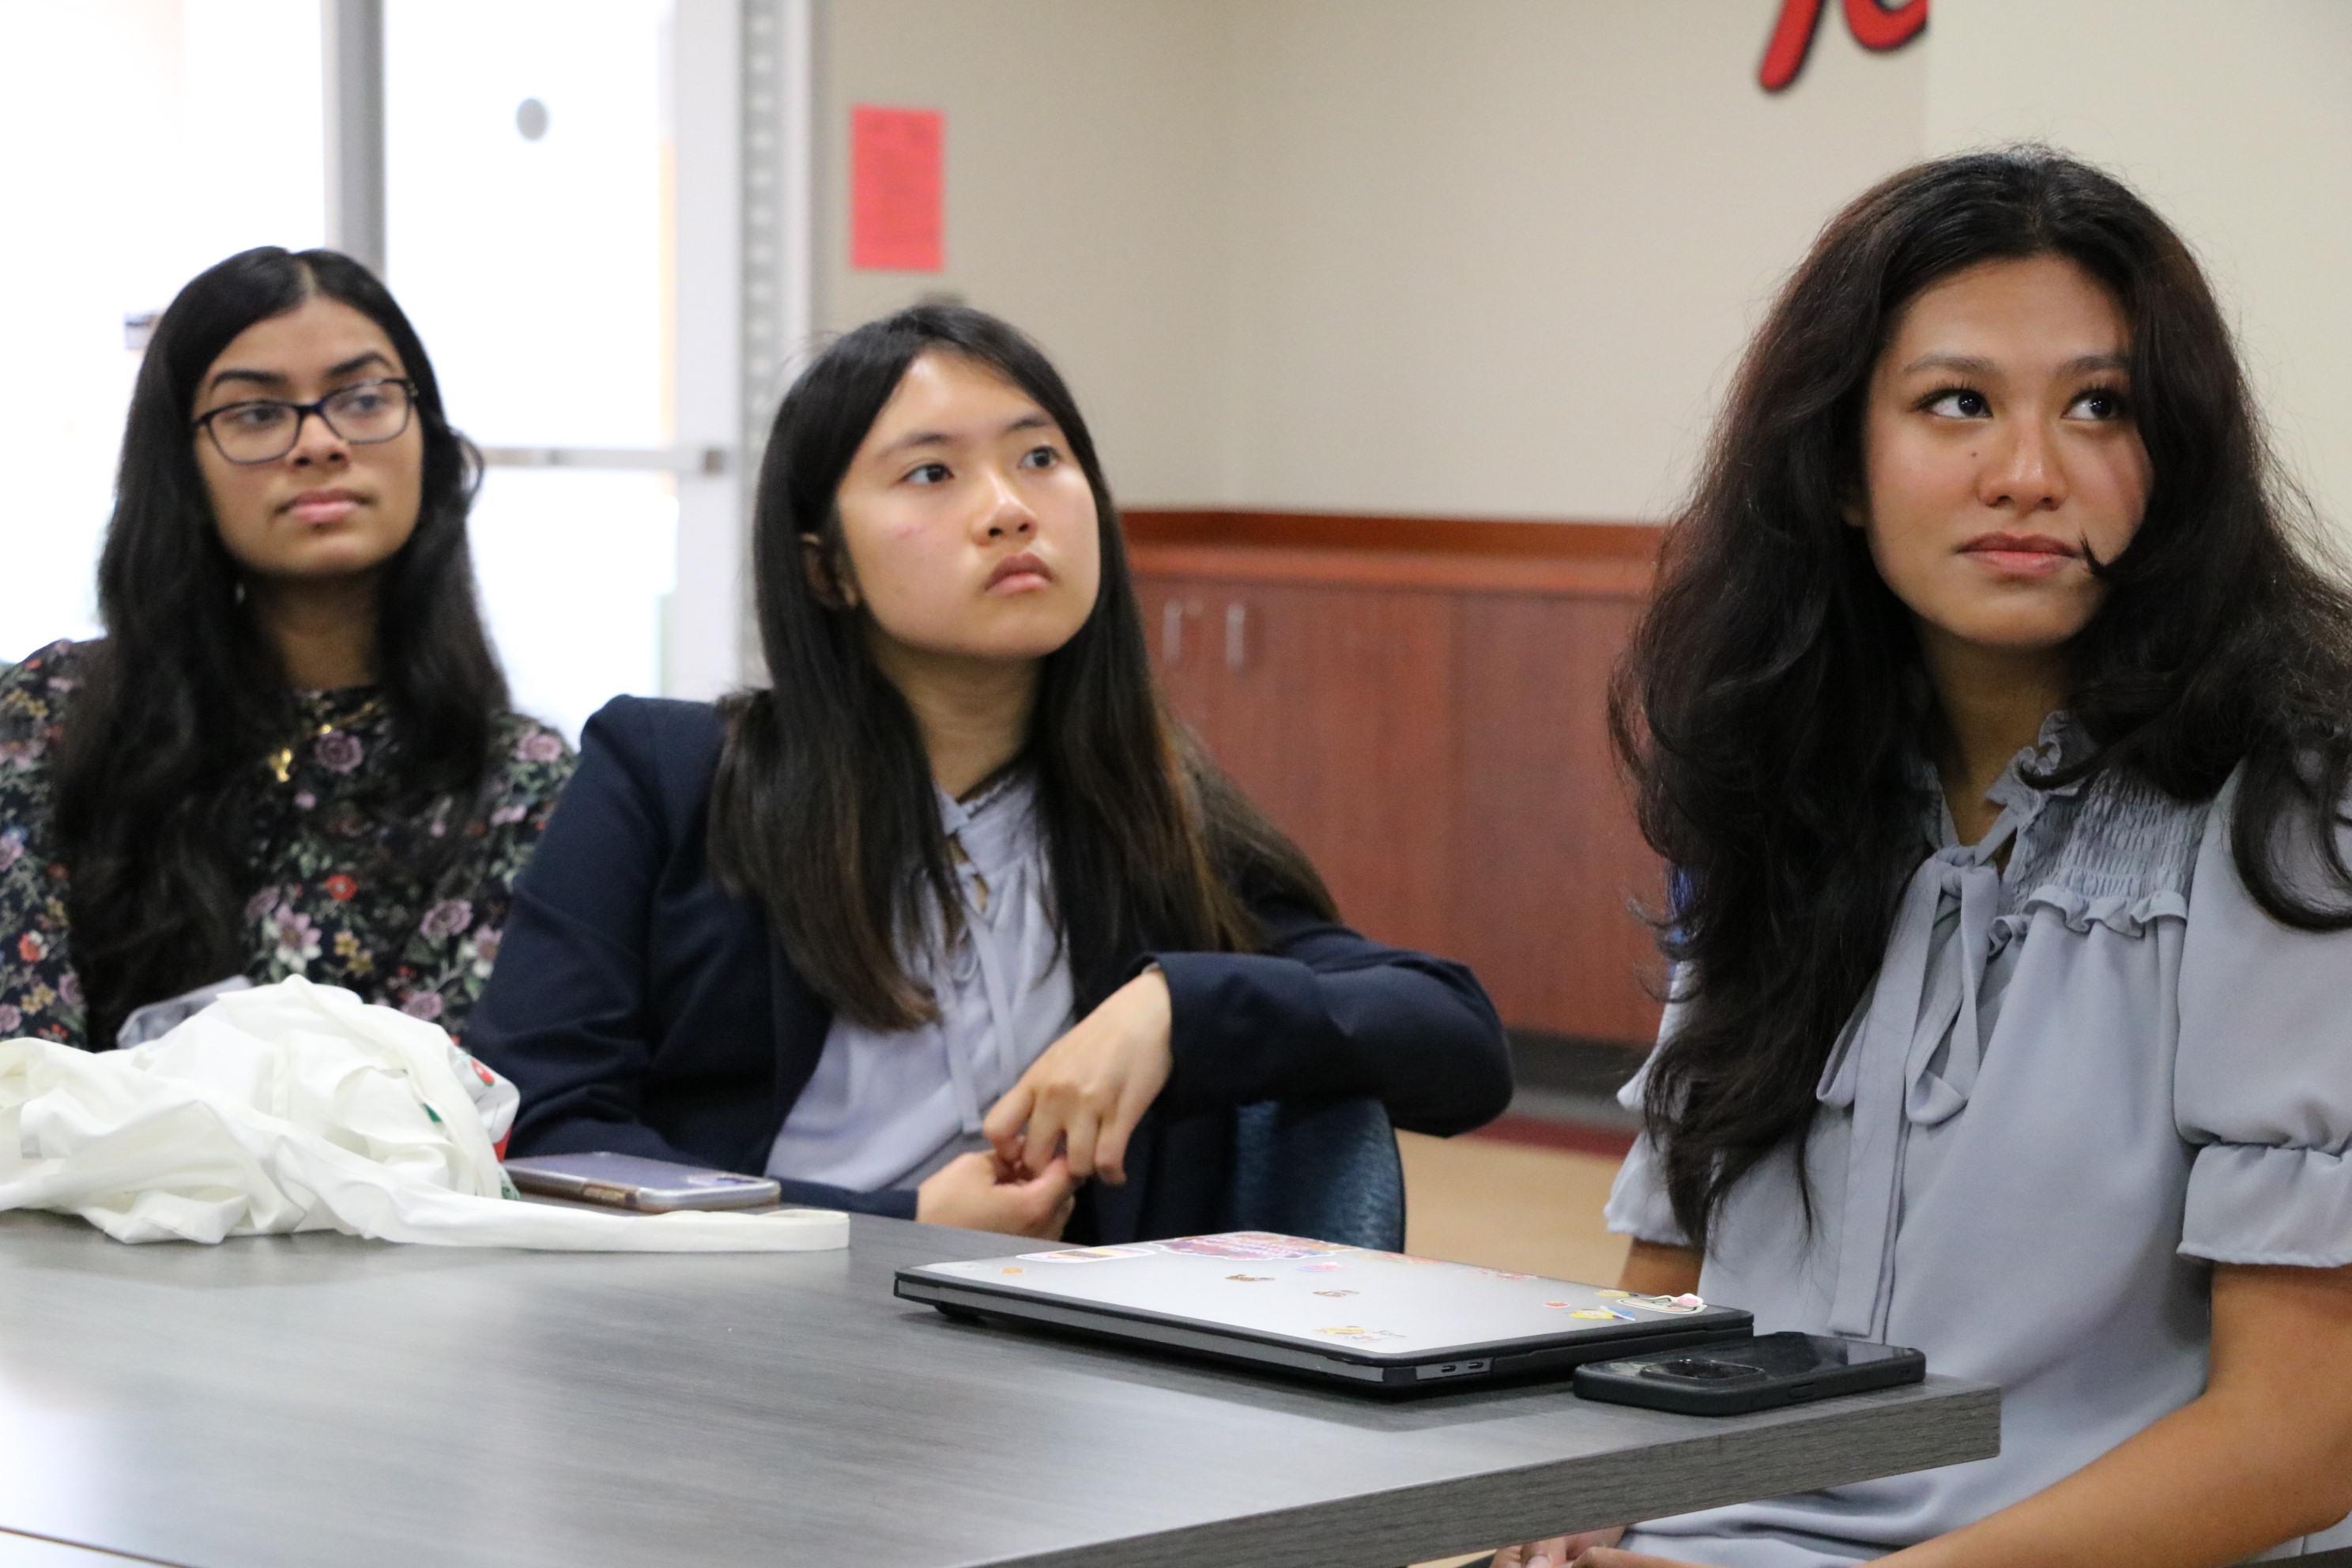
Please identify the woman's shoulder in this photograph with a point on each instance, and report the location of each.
(667, 747)
(530, 764)
(49, 672)
(2133, 851)
(525, 747)
(2296, 808)
(656, 726)
(35, 692)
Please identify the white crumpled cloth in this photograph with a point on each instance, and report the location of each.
(299, 1106)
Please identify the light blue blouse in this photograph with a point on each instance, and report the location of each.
(2075, 1084)
(887, 1108)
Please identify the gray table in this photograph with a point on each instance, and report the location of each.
(316, 1400)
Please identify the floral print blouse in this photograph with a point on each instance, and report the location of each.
(336, 898)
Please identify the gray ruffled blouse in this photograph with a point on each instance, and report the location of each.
(2076, 1083)
(887, 1108)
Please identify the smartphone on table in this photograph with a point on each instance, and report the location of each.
(633, 1182)
(1735, 1377)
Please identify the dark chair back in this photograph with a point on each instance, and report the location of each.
(1326, 1169)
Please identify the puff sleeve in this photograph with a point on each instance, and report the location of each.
(2262, 1082)
(1638, 1206)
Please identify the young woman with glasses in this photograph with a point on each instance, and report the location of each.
(290, 754)
(1995, 707)
(928, 926)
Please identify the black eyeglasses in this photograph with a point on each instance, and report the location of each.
(265, 428)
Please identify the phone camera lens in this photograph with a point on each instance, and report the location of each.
(1701, 1370)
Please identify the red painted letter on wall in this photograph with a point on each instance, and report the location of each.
(1873, 25)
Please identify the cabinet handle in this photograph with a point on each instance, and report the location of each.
(1172, 633)
(1237, 636)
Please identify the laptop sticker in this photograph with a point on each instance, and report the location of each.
(1599, 1314)
(1671, 1304)
(1335, 1293)
(1251, 1278)
(1357, 1333)
(1086, 1254)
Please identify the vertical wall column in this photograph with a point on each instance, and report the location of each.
(743, 305)
(352, 32)
(776, 180)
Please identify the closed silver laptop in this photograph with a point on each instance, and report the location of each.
(1378, 1321)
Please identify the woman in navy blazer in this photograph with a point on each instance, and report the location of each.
(962, 773)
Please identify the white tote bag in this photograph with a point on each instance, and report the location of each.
(299, 1106)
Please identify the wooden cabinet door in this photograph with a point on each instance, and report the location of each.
(1175, 620)
(1443, 757)
(1328, 706)
(1547, 858)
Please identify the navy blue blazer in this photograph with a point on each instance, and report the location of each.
(641, 1007)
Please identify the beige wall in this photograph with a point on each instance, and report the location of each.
(2235, 120)
(1495, 258)
(1083, 201)
(1489, 257)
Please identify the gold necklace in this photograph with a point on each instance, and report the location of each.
(281, 763)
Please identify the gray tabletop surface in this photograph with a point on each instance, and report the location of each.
(308, 1400)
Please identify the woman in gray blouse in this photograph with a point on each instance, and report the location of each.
(1998, 729)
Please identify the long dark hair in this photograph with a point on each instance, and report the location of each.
(823, 806)
(164, 743)
(1767, 708)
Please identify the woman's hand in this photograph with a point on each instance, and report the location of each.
(1091, 1086)
(1560, 1550)
(978, 1192)
(1610, 1557)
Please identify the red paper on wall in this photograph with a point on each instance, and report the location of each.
(895, 188)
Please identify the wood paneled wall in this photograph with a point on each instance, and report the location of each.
(1421, 703)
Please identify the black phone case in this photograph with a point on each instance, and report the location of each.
(1615, 1382)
